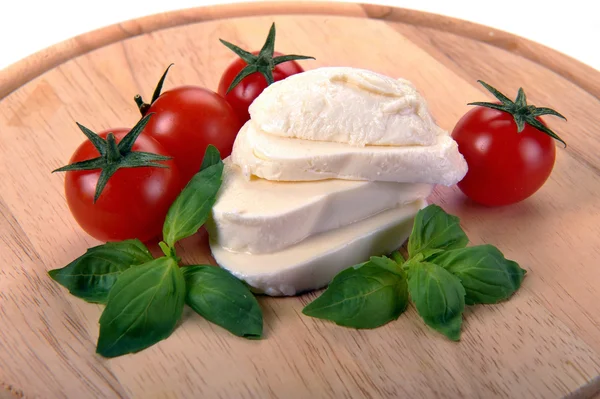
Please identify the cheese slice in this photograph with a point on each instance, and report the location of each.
(287, 159)
(261, 216)
(312, 263)
(345, 105)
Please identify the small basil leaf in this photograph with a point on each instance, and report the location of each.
(385, 263)
(222, 299)
(438, 296)
(398, 258)
(361, 297)
(427, 254)
(92, 275)
(434, 229)
(488, 277)
(211, 157)
(193, 205)
(143, 308)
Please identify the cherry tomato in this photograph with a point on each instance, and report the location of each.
(186, 120)
(242, 95)
(505, 167)
(134, 202)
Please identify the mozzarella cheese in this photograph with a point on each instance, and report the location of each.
(261, 216)
(331, 169)
(345, 105)
(312, 263)
(287, 159)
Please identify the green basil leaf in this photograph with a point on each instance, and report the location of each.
(434, 229)
(385, 263)
(397, 257)
(438, 296)
(143, 308)
(193, 205)
(366, 296)
(211, 157)
(92, 275)
(488, 277)
(222, 299)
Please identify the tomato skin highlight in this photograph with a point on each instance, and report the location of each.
(134, 202)
(505, 167)
(252, 85)
(186, 120)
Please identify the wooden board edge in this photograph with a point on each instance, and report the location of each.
(590, 390)
(27, 69)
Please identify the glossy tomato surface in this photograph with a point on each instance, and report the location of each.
(251, 86)
(186, 120)
(134, 202)
(505, 166)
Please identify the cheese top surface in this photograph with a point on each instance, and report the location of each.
(345, 105)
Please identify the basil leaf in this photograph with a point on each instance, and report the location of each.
(143, 307)
(222, 299)
(434, 229)
(92, 275)
(397, 257)
(385, 263)
(193, 205)
(211, 157)
(488, 277)
(366, 296)
(438, 296)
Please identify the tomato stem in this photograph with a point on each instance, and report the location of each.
(521, 111)
(145, 107)
(264, 62)
(114, 156)
(142, 106)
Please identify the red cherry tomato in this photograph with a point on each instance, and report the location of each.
(134, 202)
(505, 166)
(187, 119)
(242, 95)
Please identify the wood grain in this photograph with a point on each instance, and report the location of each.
(543, 343)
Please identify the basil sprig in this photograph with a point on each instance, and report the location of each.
(441, 275)
(192, 207)
(438, 296)
(366, 296)
(92, 275)
(144, 296)
(222, 299)
(433, 231)
(484, 272)
(143, 307)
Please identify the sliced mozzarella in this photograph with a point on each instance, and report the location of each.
(312, 263)
(278, 158)
(259, 216)
(345, 105)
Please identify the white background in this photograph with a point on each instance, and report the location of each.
(572, 27)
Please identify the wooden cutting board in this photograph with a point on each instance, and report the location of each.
(543, 343)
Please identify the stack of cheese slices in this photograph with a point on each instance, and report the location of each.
(330, 170)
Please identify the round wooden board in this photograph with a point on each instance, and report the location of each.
(543, 343)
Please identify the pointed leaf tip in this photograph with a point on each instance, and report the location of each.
(127, 142)
(521, 100)
(269, 47)
(501, 97)
(98, 142)
(159, 86)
